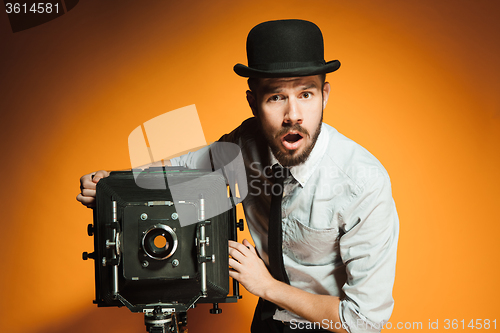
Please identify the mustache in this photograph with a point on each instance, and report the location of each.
(295, 127)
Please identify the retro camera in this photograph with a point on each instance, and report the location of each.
(160, 252)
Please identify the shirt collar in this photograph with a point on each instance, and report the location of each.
(304, 171)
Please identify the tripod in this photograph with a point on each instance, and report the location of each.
(161, 321)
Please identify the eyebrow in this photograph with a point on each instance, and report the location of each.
(309, 86)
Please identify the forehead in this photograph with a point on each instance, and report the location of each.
(277, 84)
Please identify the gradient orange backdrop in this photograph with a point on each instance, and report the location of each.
(419, 87)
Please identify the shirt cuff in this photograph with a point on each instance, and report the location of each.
(355, 322)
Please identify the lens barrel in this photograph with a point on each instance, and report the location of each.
(159, 242)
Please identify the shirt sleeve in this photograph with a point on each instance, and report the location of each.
(368, 249)
(199, 159)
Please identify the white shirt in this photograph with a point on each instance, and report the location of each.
(340, 225)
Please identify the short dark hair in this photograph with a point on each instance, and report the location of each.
(253, 83)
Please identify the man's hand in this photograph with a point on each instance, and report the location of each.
(248, 268)
(252, 273)
(88, 186)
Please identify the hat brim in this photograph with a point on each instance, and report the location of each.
(246, 71)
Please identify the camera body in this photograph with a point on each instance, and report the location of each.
(145, 257)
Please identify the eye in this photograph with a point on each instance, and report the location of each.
(275, 98)
(306, 95)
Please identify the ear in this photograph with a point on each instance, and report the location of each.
(326, 93)
(252, 102)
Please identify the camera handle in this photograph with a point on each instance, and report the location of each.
(238, 225)
(203, 242)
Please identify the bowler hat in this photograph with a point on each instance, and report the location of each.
(285, 48)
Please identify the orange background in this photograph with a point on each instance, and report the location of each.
(418, 87)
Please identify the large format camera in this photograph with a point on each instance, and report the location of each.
(159, 253)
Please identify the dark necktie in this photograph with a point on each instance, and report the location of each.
(275, 239)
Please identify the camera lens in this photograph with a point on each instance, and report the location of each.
(159, 242)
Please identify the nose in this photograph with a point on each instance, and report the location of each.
(293, 114)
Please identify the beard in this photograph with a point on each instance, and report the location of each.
(290, 158)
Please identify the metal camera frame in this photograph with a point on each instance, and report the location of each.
(160, 317)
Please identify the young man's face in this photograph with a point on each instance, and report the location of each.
(290, 111)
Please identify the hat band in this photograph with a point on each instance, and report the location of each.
(276, 66)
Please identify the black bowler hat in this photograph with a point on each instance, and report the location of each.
(285, 48)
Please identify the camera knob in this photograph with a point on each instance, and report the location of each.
(240, 225)
(215, 309)
(86, 255)
(90, 230)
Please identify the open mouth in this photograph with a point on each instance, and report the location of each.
(291, 140)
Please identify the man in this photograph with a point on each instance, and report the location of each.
(325, 227)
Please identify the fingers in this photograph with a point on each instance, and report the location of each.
(88, 187)
(99, 175)
(88, 192)
(234, 274)
(86, 182)
(248, 268)
(236, 254)
(238, 247)
(236, 265)
(86, 201)
(240, 251)
(242, 245)
(249, 246)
